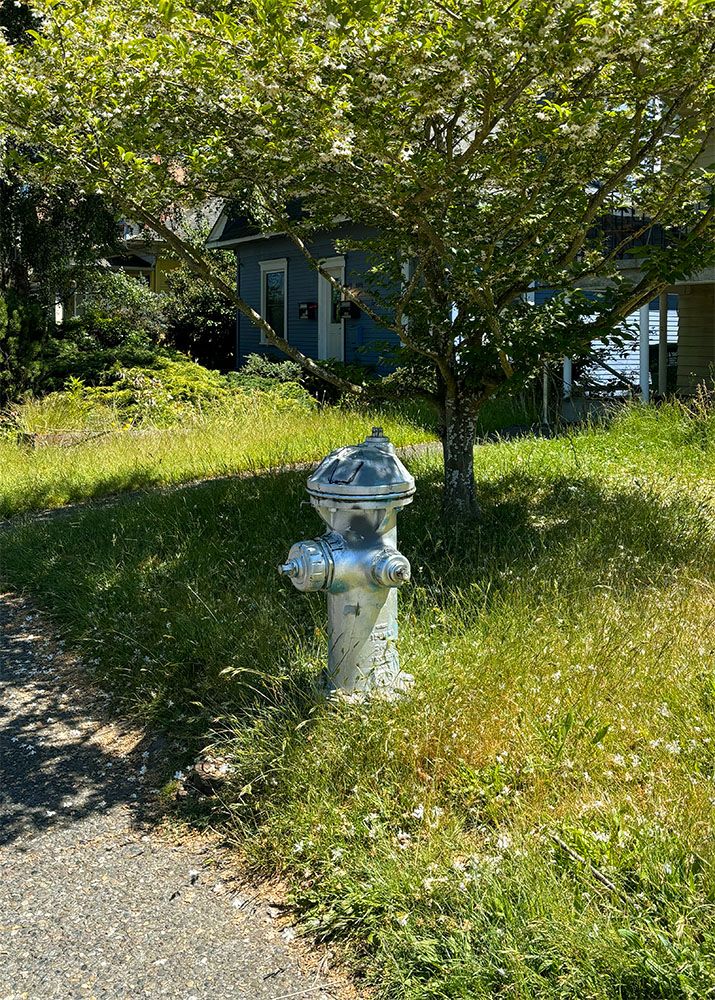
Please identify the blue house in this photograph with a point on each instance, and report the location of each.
(274, 277)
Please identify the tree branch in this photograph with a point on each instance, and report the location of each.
(201, 267)
(635, 158)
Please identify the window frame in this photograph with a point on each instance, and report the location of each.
(268, 267)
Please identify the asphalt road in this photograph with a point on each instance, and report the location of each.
(92, 903)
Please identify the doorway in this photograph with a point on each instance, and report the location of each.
(331, 328)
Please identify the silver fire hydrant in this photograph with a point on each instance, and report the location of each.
(357, 491)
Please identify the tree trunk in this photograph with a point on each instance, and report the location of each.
(459, 502)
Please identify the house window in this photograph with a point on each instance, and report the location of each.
(274, 296)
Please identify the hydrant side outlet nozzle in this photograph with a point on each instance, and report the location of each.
(391, 569)
(357, 492)
(310, 565)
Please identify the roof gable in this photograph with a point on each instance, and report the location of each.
(234, 227)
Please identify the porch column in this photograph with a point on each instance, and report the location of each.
(663, 344)
(643, 350)
(568, 378)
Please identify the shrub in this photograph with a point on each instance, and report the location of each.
(266, 373)
(200, 321)
(23, 332)
(170, 387)
(261, 372)
(161, 392)
(280, 379)
(325, 391)
(117, 307)
(76, 354)
(122, 323)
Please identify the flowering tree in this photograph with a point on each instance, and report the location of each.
(484, 142)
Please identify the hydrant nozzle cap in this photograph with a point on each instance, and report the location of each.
(391, 569)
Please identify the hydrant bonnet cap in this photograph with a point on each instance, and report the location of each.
(369, 472)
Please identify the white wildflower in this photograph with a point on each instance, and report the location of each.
(403, 839)
(503, 841)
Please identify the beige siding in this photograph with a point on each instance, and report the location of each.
(163, 267)
(696, 336)
(707, 160)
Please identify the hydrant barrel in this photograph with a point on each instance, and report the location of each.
(357, 491)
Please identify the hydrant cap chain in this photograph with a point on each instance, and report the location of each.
(369, 472)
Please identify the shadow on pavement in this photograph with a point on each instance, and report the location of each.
(60, 760)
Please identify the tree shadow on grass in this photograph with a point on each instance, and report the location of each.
(180, 588)
(34, 496)
(176, 593)
(174, 599)
(572, 529)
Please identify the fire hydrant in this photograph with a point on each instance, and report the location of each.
(357, 491)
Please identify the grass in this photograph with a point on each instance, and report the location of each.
(242, 433)
(536, 821)
(250, 432)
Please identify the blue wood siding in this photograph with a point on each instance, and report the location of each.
(362, 335)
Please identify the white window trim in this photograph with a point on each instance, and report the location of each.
(332, 261)
(266, 266)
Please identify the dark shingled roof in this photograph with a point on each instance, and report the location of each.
(130, 260)
(239, 226)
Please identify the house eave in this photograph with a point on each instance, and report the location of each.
(217, 244)
(215, 241)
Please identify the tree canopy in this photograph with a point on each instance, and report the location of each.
(48, 234)
(484, 142)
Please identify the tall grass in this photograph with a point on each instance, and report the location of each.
(241, 432)
(248, 432)
(536, 820)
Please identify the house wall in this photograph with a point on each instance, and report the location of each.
(158, 276)
(626, 360)
(361, 334)
(696, 336)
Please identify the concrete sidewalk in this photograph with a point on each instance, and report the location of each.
(92, 903)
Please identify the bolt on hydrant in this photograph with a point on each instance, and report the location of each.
(357, 491)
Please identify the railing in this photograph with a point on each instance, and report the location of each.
(623, 229)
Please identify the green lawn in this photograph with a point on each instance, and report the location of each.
(252, 432)
(241, 433)
(536, 821)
